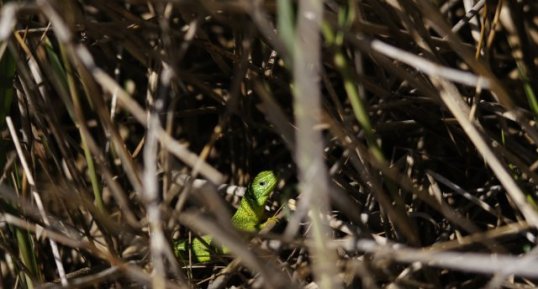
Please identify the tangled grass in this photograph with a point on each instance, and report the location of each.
(403, 133)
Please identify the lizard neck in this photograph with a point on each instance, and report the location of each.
(249, 214)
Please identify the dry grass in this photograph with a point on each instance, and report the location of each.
(404, 133)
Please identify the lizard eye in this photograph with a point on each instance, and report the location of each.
(262, 184)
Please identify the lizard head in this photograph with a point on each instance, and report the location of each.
(262, 186)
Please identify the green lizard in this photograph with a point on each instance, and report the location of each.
(249, 217)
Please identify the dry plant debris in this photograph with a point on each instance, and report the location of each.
(403, 133)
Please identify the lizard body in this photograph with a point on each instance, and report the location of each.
(248, 217)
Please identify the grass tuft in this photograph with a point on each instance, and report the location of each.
(403, 133)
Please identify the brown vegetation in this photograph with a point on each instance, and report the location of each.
(403, 132)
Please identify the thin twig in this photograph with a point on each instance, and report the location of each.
(37, 198)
